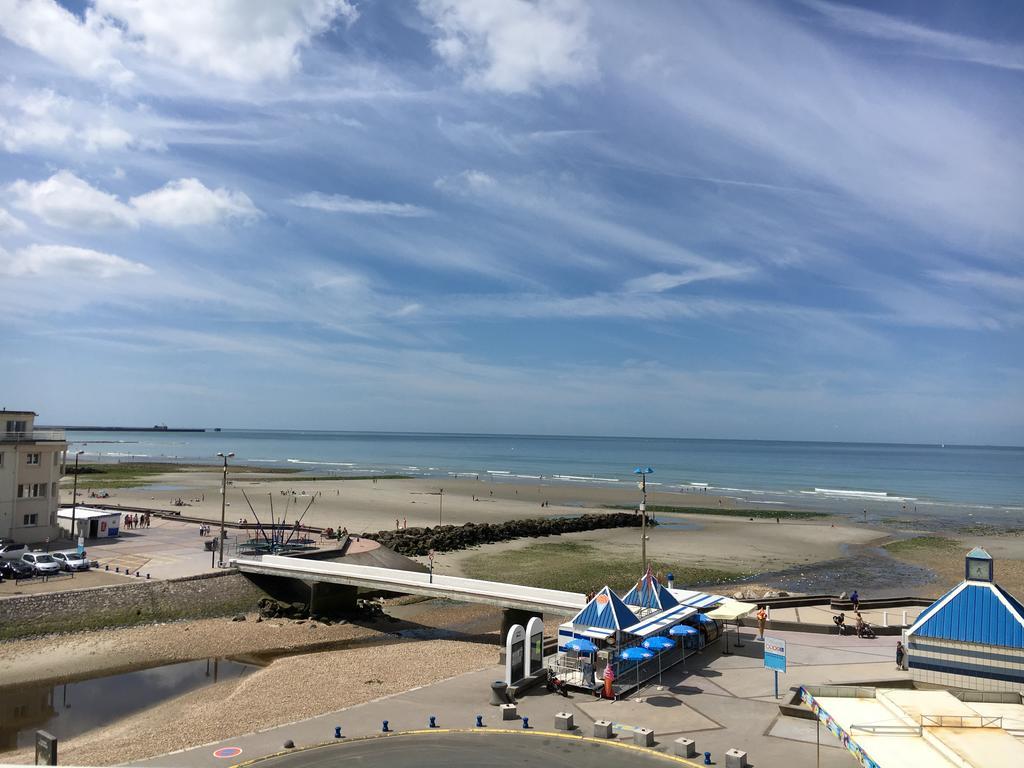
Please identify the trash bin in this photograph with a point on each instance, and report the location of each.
(499, 693)
(210, 545)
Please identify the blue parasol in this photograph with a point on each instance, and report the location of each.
(683, 630)
(659, 644)
(637, 654)
(581, 645)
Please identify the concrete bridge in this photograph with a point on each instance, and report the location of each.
(334, 585)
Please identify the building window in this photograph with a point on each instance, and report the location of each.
(56, 458)
(16, 426)
(32, 458)
(21, 491)
(34, 491)
(1, 458)
(30, 519)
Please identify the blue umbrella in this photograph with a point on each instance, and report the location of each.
(705, 619)
(683, 630)
(581, 645)
(637, 654)
(659, 644)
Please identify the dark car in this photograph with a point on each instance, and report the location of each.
(15, 569)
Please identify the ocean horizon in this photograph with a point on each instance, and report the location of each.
(844, 476)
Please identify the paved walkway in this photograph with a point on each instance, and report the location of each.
(720, 701)
(822, 614)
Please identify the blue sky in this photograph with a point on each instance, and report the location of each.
(710, 219)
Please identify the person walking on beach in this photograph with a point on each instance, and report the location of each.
(855, 599)
(900, 653)
(762, 618)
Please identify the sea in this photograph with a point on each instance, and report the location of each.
(937, 484)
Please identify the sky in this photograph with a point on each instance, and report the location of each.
(798, 220)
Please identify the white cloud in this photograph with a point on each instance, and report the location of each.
(106, 137)
(466, 181)
(355, 205)
(659, 282)
(188, 202)
(88, 47)
(237, 39)
(64, 259)
(9, 223)
(65, 200)
(514, 46)
(930, 42)
(998, 283)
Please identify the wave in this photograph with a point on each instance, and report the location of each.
(322, 463)
(579, 479)
(498, 472)
(872, 495)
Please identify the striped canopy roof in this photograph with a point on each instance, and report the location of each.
(649, 593)
(607, 611)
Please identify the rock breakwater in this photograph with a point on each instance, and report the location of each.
(448, 538)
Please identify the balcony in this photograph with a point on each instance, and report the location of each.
(34, 436)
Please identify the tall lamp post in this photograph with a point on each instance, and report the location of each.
(74, 500)
(643, 472)
(223, 501)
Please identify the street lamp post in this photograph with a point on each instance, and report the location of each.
(74, 500)
(643, 472)
(223, 501)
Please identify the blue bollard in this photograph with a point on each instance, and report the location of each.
(384, 728)
(337, 731)
(433, 722)
(479, 721)
(526, 722)
(707, 758)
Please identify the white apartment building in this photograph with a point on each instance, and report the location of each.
(31, 465)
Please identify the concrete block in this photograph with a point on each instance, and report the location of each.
(734, 758)
(602, 729)
(685, 747)
(563, 721)
(643, 737)
(508, 712)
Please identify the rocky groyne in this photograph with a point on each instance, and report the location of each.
(448, 538)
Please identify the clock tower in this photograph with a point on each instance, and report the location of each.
(979, 565)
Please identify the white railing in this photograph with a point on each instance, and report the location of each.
(33, 436)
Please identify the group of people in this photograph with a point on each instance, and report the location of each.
(862, 627)
(133, 521)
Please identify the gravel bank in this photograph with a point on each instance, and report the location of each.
(304, 686)
(61, 658)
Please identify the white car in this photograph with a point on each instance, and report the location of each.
(71, 561)
(11, 551)
(42, 563)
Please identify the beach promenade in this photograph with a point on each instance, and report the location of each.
(720, 701)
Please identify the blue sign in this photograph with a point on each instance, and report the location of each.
(775, 654)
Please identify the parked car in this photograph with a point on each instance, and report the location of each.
(42, 563)
(71, 561)
(16, 569)
(11, 551)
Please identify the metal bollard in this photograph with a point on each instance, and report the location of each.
(147, 575)
(707, 758)
(106, 567)
(479, 721)
(337, 731)
(885, 618)
(526, 722)
(433, 721)
(117, 569)
(384, 728)
(904, 618)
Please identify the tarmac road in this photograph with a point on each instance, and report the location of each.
(491, 750)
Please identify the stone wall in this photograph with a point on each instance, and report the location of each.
(136, 602)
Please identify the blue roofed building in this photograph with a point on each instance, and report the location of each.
(971, 637)
(649, 594)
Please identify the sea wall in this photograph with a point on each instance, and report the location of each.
(136, 602)
(447, 538)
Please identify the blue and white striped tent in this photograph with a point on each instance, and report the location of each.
(606, 611)
(696, 599)
(649, 593)
(971, 637)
